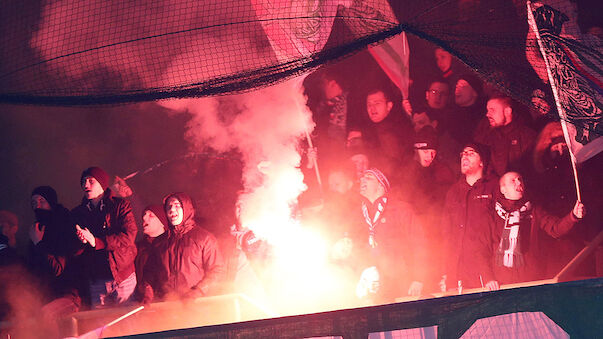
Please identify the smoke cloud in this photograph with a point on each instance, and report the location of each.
(265, 126)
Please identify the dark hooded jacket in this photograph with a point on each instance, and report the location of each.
(114, 228)
(389, 141)
(49, 258)
(148, 268)
(191, 261)
(464, 225)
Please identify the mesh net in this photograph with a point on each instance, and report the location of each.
(96, 52)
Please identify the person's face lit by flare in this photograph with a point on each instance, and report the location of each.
(370, 187)
(92, 188)
(426, 156)
(437, 95)
(378, 106)
(443, 60)
(471, 162)
(174, 211)
(511, 186)
(497, 113)
(151, 225)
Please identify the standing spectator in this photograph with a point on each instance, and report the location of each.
(389, 241)
(190, 257)
(553, 188)
(448, 147)
(468, 108)
(447, 66)
(424, 185)
(509, 140)
(437, 97)
(332, 115)
(53, 239)
(388, 135)
(154, 225)
(519, 227)
(467, 203)
(106, 228)
(426, 178)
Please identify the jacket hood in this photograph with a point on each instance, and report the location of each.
(188, 210)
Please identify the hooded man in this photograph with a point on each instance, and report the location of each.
(106, 229)
(389, 240)
(517, 229)
(190, 257)
(154, 225)
(53, 238)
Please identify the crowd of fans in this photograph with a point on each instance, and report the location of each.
(464, 188)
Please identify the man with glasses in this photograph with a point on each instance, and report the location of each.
(466, 201)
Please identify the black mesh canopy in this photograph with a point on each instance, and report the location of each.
(96, 52)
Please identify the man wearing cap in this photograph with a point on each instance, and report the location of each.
(510, 141)
(424, 184)
(154, 225)
(106, 229)
(191, 260)
(389, 240)
(466, 202)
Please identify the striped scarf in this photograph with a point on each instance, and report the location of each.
(372, 222)
(509, 250)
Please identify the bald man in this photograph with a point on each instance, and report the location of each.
(517, 230)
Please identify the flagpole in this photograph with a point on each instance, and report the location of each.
(562, 114)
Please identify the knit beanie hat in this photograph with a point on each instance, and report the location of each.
(380, 177)
(47, 193)
(159, 213)
(97, 173)
(426, 138)
(482, 150)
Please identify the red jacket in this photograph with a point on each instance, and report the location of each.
(114, 228)
(191, 261)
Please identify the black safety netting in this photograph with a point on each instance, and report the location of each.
(97, 52)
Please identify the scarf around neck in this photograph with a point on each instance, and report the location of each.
(514, 214)
(380, 204)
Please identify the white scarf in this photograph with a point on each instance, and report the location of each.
(512, 220)
(382, 203)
